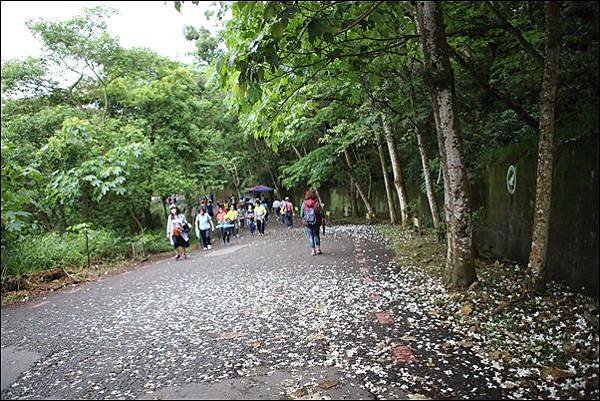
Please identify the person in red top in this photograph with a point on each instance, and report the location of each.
(311, 217)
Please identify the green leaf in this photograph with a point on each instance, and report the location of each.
(316, 27)
(277, 29)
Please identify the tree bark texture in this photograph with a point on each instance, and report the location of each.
(460, 269)
(386, 181)
(541, 217)
(398, 178)
(353, 202)
(359, 189)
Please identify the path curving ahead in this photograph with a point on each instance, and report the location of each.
(260, 319)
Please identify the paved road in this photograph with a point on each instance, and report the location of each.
(260, 319)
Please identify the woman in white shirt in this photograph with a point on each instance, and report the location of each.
(203, 226)
(177, 232)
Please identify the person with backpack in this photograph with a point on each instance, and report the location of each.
(311, 218)
(203, 226)
(177, 232)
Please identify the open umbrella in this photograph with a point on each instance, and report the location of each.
(260, 189)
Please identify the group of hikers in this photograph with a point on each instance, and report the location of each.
(232, 216)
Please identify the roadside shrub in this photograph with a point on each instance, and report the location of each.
(52, 250)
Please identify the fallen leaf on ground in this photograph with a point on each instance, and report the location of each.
(327, 384)
(384, 318)
(555, 374)
(466, 309)
(403, 353)
(417, 396)
(297, 392)
(313, 396)
(229, 335)
(315, 337)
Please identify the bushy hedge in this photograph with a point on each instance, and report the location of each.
(54, 250)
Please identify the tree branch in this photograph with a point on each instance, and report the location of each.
(515, 32)
(482, 81)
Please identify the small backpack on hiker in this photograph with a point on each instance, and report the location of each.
(310, 216)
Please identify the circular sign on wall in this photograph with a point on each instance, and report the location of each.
(511, 179)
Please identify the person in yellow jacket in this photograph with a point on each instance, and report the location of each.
(261, 213)
(232, 217)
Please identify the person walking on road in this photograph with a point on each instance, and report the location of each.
(224, 225)
(260, 212)
(232, 217)
(311, 218)
(203, 226)
(251, 219)
(241, 215)
(177, 232)
(288, 211)
(265, 204)
(221, 216)
(277, 208)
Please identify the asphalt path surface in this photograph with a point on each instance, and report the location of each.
(258, 319)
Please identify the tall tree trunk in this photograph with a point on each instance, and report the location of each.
(274, 181)
(398, 178)
(541, 217)
(370, 211)
(386, 180)
(165, 212)
(236, 180)
(353, 200)
(105, 111)
(370, 186)
(460, 269)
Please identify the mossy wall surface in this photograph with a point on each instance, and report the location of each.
(503, 221)
(503, 228)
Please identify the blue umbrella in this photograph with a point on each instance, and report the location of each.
(260, 189)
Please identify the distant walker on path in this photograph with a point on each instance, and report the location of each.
(288, 212)
(310, 214)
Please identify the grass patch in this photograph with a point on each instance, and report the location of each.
(49, 261)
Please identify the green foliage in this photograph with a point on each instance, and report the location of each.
(132, 126)
(53, 250)
(277, 98)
